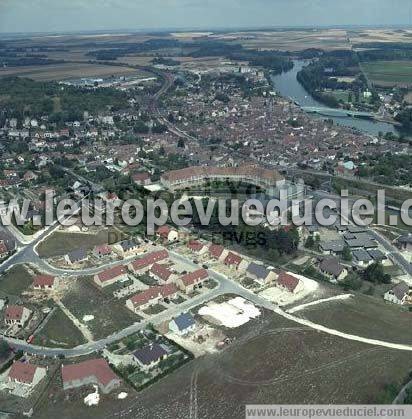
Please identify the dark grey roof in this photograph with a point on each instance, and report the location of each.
(376, 254)
(361, 255)
(77, 255)
(356, 229)
(128, 244)
(184, 321)
(150, 353)
(405, 239)
(331, 266)
(400, 290)
(259, 271)
(361, 243)
(334, 246)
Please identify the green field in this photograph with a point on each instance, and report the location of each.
(389, 73)
(59, 331)
(15, 281)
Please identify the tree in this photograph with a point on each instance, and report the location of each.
(310, 243)
(181, 143)
(375, 273)
(4, 348)
(347, 254)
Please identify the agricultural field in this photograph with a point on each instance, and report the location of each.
(389, 73)
(67, 71)
(59, 331)
(293, 365)
(366, 316)
(110, 315)
(15, 281)
(60, 243)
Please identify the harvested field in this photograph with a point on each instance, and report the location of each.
(67, 71)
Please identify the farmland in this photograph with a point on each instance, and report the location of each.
(389, 73)
(15, 281)
(67, 71)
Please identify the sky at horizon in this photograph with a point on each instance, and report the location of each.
(98, 15)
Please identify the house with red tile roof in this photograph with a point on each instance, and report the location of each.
(232, 260)
(102, 250)
(218, 252)
(92, 371)
(289, 282)
(196, 247)
(191, 280)
(162, 273)
(26, 374)
(16, 315)
(144, 263)
(167, 233)
(151, 297)
(43, 282)
(141, 178)
(111, 276)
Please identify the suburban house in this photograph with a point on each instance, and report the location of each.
(362, 258)
(400, 294)
(16, 315)
(76, 256)
(150, 355)
(331, 268)
(405, 242)
(218, 252)
(127, 248)
(289, 282)
(182, 324)
(151, 297)
(141, 178)
(333, 247)
(111, 276)
(162, 273)
(26, 374)
(102, 250)
(167, 234)
(43, 282)
(92, 371)
(232, 260)
(191, 280)
(260, 274)
(3, 250)
(196, 247)
(144, 264)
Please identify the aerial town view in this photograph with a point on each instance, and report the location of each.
(205, 209)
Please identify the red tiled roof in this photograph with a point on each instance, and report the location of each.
(22, 372)
(163, 231)
(216, 250)
(3, 248)
(43, 280)
(112, 273)
(153, 292)
(93, 367)
(162, 271)
(195, 245)
(104, 249)
(14, 312)
(150, 259)
(233, 259)
(288, 281)
(194, 277)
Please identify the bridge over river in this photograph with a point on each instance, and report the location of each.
(337, 112)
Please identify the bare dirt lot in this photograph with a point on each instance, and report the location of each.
(271, 361)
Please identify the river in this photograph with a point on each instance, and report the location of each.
(288, 86)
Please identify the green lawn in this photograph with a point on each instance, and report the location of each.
(59, 331)
(15, 281)
(389, 72)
